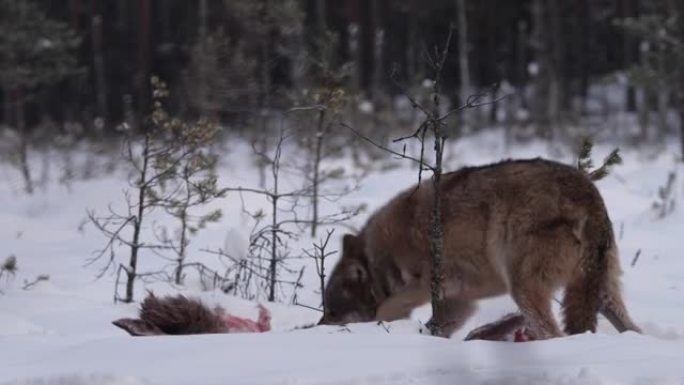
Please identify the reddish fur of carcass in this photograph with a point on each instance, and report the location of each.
(243, 325)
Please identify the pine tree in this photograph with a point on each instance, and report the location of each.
(35, 51)
(661, 26)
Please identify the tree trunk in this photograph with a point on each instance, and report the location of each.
(366, 43)
(493, 61)
(98, 62)
(676, 7)
(318, 149)
(680, 103)
(581, 36)
(143, 78)
(321, 17)
(521, 62)
(378, 47)
(557, 89)
(630, 54)
(542, 79)
(298, 58)
(131, 271)
(436, 234)
(265, 65)
(463, 63)
(273, 267)
(354, 56)
(183, 241)
(203, 61)
(412, 42)
(7, 107)
(24, 140)
(74, 12)
(681, 121)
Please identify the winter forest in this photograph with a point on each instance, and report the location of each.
(341, 192)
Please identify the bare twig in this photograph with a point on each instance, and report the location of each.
(319, 256)
(384, 326)
(380, 146)
(636, 258)
(29, 284)
(308, 307)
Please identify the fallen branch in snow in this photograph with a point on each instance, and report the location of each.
(181, 315)
(636, 258)
(384, 326)
(30, 284)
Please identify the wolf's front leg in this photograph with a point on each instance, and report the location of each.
(452, 314)
(400, 304)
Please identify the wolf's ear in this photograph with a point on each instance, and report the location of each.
(352, 247)
(349, 242)
(355, 258)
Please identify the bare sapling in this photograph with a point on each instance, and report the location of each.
(268, 242)
(187, 186)
(319, 254)
(269, 264)
(155, 157)
(434, 126)
(329, 98)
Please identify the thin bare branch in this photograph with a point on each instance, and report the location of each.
(398, 154)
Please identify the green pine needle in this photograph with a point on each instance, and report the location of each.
(584, 162)
(614, 158)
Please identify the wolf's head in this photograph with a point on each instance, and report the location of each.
(348, 295)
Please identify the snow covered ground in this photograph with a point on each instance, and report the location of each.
(59, 331)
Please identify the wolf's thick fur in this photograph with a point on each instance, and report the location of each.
(524, 227)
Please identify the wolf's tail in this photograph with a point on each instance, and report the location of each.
(612, 306)
(596, 288)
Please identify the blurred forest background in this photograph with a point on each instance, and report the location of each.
(81, 68)
(184, 96)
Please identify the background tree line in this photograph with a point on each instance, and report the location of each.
(85, 65)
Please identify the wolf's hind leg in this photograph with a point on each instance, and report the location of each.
(534, 301)
(580, 305)
(542, 259)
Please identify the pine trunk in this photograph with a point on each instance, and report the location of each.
(321, 18)
(464, 67)
(131, 271)
(24, 140)
(98, 61)
(143, 78)
(378, 47)
(541, 79)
